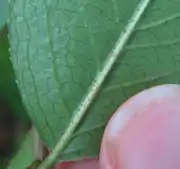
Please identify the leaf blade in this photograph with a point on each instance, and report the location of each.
(65, 63)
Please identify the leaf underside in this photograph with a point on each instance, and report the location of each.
(58, 47)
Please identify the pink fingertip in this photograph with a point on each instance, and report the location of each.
(141, 126)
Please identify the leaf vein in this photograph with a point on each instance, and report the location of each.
(163, 44)
(158, 23)
(96, 127)
(149, 79)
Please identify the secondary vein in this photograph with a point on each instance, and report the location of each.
(95, 86)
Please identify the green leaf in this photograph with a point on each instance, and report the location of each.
(25, 154)
(60, 47)
(3, 13)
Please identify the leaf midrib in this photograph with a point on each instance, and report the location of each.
(96, 84)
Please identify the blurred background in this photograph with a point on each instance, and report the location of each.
(14, 122)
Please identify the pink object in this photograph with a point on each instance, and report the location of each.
(144, 132)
